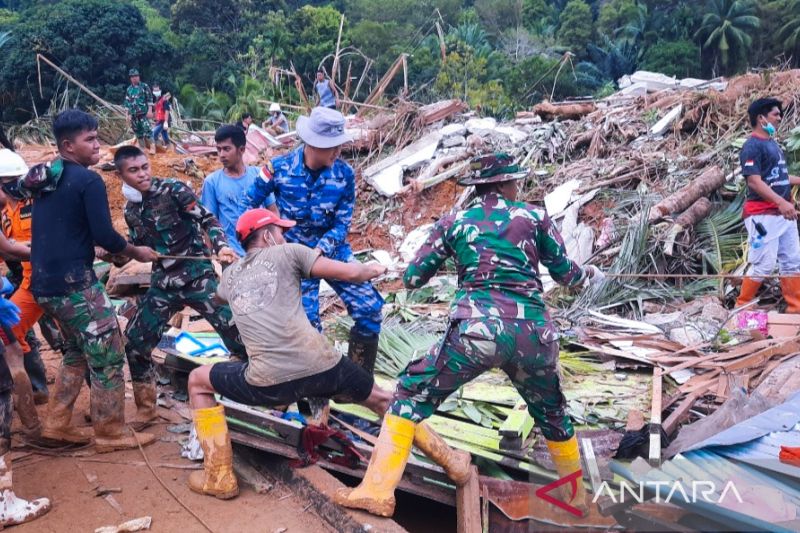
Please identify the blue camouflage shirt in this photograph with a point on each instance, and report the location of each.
(322, 206)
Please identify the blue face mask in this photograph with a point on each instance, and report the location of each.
(769, 129)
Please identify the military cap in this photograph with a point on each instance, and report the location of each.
(492, 168)
(133, 72)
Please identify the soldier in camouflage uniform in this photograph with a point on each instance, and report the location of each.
(139, 105)
(315, 188)
(498, 320)
(165, 215)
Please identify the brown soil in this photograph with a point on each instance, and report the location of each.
(76, 508)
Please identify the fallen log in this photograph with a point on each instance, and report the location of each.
(709, 181)
(549, 111)
(696, 212)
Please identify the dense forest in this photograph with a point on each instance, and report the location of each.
(499, 55)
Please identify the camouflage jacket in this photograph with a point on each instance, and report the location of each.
(322, 207)
(138, 99)
(497, 246)
(171, 220)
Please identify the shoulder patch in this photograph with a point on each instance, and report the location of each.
(266, 172)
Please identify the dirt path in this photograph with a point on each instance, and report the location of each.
(76, 508)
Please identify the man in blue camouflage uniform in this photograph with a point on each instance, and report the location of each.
(165, 215)
(139, 106)
(498, 320)
(315, 188)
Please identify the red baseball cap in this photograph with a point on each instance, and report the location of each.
(255, 219)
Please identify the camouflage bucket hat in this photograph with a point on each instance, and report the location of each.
(133, 72)
(492, 168)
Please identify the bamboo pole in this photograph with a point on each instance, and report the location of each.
(335, 68)
(115, 109)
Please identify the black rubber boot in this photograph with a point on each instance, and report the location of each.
(363, 350)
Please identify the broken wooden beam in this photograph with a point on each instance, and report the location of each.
(468, 505)
(654, 454)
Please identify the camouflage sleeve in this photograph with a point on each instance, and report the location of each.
(342, 216)
(127, 103)
(431, 255)
(133, 236)
(192, 208)
(553, 254)
(262, 187)
(148, 95)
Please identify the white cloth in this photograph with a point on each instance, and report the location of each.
(131, 194)
(781, 245)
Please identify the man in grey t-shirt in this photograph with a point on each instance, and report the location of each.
(288, 359)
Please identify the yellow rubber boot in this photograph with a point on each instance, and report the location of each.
(375, 494)
(567, 459)
(217, 478)
(790, 287)
(748, 291)
(456, 463)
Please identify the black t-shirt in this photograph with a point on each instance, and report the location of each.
(66, 225)
(764, 157)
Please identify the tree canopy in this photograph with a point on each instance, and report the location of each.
(225, 57)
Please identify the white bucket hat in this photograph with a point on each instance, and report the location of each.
(274, 106)
(323, 129)
(11, 164)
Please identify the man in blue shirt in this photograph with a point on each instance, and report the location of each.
(224, 190)
(70, 216)
(315, 188)
(325, 93)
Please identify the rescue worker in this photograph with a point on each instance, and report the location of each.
(224, 190)
(316, 189)
(70, 216)
(325, 93)
(139, 107)
(13, 509)
(498, 320)
(287, 358)
(769, 212)
(276, 123)
(165, 215)
(16, 225)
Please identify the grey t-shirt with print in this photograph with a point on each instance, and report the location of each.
(263, 290)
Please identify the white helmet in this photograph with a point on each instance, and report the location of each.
(11, 164)
(274, 107)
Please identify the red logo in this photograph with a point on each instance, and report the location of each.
(572, 479)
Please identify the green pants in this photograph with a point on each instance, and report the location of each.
(527, 353)
(141, 127)
(88, 323)
(145, 329)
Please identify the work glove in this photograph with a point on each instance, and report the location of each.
(9, 313)
(595, 275)
(6, 287)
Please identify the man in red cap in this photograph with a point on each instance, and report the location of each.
(288, 359)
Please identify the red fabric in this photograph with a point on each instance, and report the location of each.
(4, 338)
(160, 115)
(313, 436)
(759, 207)
(790, 456)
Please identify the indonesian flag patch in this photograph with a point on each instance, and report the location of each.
(266, 171)
(749, 163)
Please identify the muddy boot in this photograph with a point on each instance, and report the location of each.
(108, 419)
(456, 463)
(375, 494)
(145, 395)
(567, 459)
(217, 478)
(153, 148)
(790, 287)
(57, 427)
(748, 291)
(363, 349)
(34, 366)
(14, 510)
(23, 393)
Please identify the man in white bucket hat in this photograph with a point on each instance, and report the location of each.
(276, 123)
(315, 188)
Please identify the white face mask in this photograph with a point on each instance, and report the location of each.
(156, 93)
(131, 194)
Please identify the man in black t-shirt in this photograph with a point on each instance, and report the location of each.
(769, 213)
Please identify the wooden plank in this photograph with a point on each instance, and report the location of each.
(590, 461)
(519, 423)
(760, 357)
(681, 411)
(468, 505)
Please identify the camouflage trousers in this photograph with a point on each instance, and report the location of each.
(363, 302)
(88, 323)
(154, 310)
(527, 353)
(6, 414)
(141, 127)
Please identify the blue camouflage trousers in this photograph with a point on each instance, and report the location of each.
(363, 301)
(526, 352)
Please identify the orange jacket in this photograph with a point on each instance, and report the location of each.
(17, 226)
